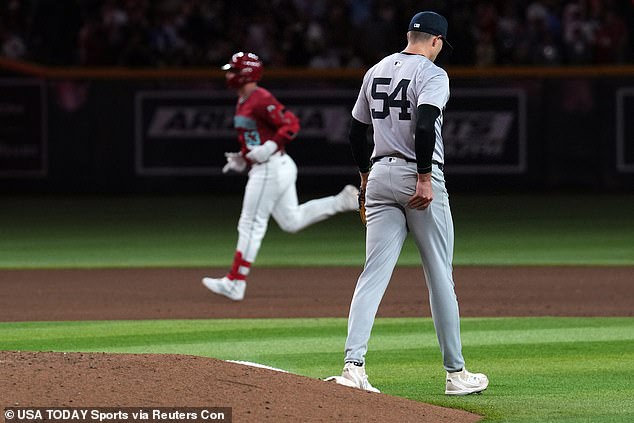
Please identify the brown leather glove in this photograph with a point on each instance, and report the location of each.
(362, 206)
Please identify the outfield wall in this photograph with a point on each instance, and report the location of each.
(122, 131)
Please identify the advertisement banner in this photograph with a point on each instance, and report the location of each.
(625, 130)
(187, 133)
(22, 129)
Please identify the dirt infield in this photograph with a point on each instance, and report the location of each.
(255, 395)
(117, 294)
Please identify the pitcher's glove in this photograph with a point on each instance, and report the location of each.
(362, 206)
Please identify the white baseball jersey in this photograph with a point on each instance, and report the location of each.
(391, 92)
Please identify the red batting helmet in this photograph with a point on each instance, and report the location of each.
(246, 67)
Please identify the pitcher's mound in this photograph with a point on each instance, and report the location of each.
(40, 379)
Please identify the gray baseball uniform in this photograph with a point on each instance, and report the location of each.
(389, 96)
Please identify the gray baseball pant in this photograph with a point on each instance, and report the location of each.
(391, 183)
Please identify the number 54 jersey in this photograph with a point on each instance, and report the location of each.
(391, 92)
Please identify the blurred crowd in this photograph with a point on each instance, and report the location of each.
(310, 33)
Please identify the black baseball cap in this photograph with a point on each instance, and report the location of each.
(431, 23)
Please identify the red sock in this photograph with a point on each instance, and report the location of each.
(240, 268)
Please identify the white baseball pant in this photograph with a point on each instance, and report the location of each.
(271, 191)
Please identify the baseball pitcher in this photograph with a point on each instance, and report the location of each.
(403, 98)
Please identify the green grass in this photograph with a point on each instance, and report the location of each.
(541, 369)
(544, 230)
(197, 231)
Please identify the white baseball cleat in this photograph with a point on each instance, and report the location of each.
(234, 290)
(465, 383)
(348, 199)
(354, 376)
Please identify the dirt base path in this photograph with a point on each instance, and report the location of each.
(29, 379)
(309, 292)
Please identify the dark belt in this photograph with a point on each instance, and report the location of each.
(441, 166)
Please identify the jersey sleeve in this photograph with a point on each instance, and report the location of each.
(286, 122)
(435, 89)
(361, 109)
